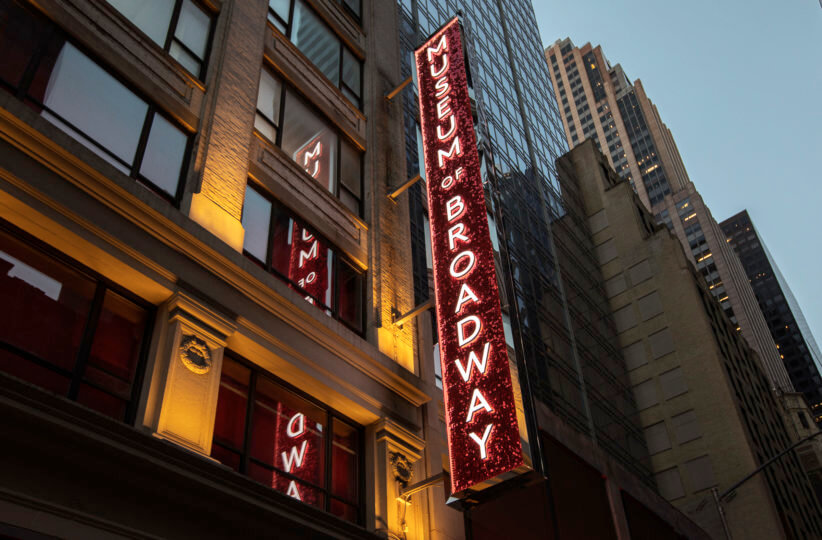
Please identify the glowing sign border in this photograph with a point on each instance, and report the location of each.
(483, 433)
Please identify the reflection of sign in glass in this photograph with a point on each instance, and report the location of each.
(308, 264)
(298, 454)
(316, 157)
(483, 432)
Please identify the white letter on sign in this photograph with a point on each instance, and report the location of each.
(483, 441)
(451, 153)
(454, 208)
(474, 361)
(461, 332)
(478, 403)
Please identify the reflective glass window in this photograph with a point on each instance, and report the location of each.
(320, 45)
(288, 121)
(91, 104)
(291, 250)
(180, 27)
(284, 440)
(67, 331)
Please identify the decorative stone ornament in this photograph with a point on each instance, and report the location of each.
(195, 354)
(401, 468)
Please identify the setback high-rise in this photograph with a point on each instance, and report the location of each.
(599, 102)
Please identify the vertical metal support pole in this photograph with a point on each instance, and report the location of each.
(715, 493)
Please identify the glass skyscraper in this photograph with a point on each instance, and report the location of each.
(790, 331)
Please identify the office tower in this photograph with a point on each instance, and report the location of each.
(794, 339)
(705, 405)
(599, 102)
(560, 334)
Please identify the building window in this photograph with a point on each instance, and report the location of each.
(289, 249)
(286, 120)
(181, 27)
(83, 99)
(286, 441)
(299, 23)
(68, 331)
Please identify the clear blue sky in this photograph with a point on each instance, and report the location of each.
(739, 84)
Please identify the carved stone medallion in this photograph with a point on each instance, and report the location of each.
(195, 354)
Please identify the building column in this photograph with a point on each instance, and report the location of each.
(222, 165)
(398, 464)
(185, 382)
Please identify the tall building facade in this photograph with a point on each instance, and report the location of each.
(706, 406)
(201, 274)
(793, 337)
(599, 102)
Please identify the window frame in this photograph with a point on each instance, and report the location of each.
(101, 286)
(172, 30)
(339, 258)
(289, 28)
(255, 372)
(52, 31)
(286, 88)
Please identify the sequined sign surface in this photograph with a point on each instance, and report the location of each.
(483, 435)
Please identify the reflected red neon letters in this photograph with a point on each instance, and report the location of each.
(483, 434)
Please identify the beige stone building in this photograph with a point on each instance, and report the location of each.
(599, 102)
(706, 406)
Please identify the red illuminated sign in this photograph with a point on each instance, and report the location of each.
(483, 434)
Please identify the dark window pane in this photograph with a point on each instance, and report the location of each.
(316, 41)
(256, 221)
(110, 383)
(280, 241)
(29, 371)
(351, 73)
(345, 511)
(268, 105)
(150, 16)
(350, 302)
(288, 432)
(310, 265)
(102, 402)
(45, 304)
(95, 103)
(281, 9)
(188, 61)
(192, 28)
(310, 142)
(353, 5)
(344, 459)
(163, 158)
(350, 201)
(289, 486)
(226, 457)
(19, 35)
(229, 426)
(351, 96)
(351, 168)
(117, 341)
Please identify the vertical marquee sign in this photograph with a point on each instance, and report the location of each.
(483, 434)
